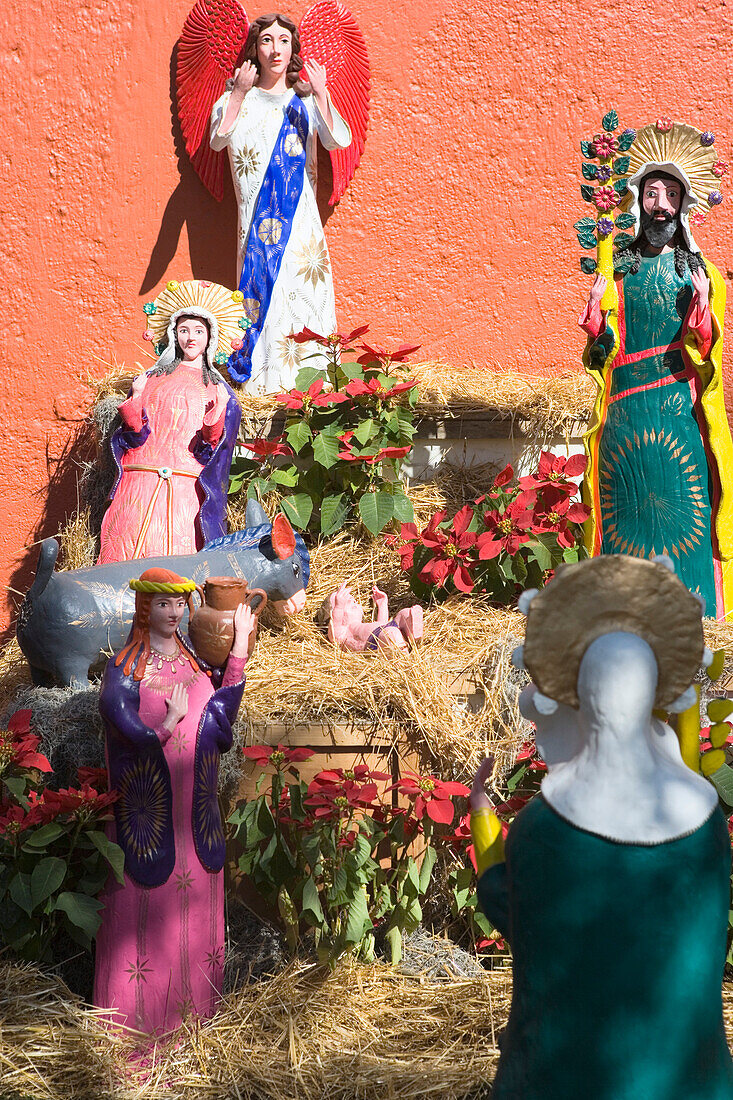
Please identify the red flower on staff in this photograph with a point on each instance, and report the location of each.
(450, 550)
(431, 796)
(279, 758)
(315, 396)
(265, 448)
(507, 530)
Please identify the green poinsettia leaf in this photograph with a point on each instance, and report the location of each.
(298, 509)
(623, 240)
(326, 448)
(609, 122)
(590, 171)
(376, 510)
(587, 239)
(334, 513)
(625, 221)
(587, 191)
(588, 265)
(298, 435)
(586, 148)
(81, 910)
(621, 166)
(403, 510)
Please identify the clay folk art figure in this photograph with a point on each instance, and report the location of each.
(268, 121)
(173, 449)
(343, 619)
(614, 888)
(167, 718)
(659, 447)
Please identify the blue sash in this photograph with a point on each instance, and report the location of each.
(269, 232)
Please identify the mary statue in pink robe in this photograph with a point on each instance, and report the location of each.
(174, 446)
(167, 718)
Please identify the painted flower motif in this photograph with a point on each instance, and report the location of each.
(244, 323)
(147, 335)
(708, 138)
(603, 173)
(313, 261)
(605, 198)
(220, 358)
(237, 296)
(720, 168)
(664, 125)
(172, 285)
(604, 226)
(715, 198)
(697, 218)
(149, 309)
(605, 145)
(236, 345)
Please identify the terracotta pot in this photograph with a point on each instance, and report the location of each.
(211, 628)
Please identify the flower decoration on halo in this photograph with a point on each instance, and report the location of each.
(606, 198)
(715, 198)
(196, 294)
(244, 323)
(147, 335)
(605, 145)
(237, 296)
(707, 138)
(664, 125)
(696, 218)
(720, 168)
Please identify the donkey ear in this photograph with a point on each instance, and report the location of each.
(283, 536)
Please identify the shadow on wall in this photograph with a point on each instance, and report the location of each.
(61, 500)
(211, 226)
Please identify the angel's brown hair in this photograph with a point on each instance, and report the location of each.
(249, 50)
(138, 646)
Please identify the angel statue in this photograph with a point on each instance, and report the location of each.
(267, 115)
(659, 446)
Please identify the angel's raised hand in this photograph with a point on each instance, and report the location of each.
(316, 75)
(245, 78)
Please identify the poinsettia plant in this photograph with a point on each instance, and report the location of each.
(511, 538)
(336, 857)
(348, 429)
(54, 854)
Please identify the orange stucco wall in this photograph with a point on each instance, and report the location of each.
(456, 232)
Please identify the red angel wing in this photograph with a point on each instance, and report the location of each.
(329, 34)
(210, 41)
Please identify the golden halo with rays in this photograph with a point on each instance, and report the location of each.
(602, 595)
(682, 146)
(225, 305)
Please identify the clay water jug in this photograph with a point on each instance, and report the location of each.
(211, 628)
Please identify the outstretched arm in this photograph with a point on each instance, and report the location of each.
(591, 319)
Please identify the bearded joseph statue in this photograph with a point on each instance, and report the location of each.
(659, 446)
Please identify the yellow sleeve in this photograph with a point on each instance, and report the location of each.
(487, 839)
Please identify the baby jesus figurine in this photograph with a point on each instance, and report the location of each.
(343, 619)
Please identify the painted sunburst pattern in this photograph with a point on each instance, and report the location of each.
(206, 805)
(246, 162)
(142, 808)
(653, 495)
(313, 261)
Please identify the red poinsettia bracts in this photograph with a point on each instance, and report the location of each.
(554, 512)
(85, 800)
(374, 388)
(335, 339)
(264, 448)
(381, 355)
(507, 530)
(278, 758)
(341, 798)
(554, 471)
(316, 396)
(18, 745)
(431, 796)
(348, 455)
(450, 550)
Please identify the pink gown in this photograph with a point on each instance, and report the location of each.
(160, 950)
(155, 506)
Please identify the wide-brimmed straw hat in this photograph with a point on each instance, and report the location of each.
(606, 594)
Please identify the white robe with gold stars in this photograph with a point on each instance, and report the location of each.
(303, 292)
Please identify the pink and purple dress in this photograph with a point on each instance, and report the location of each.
(160, 949)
